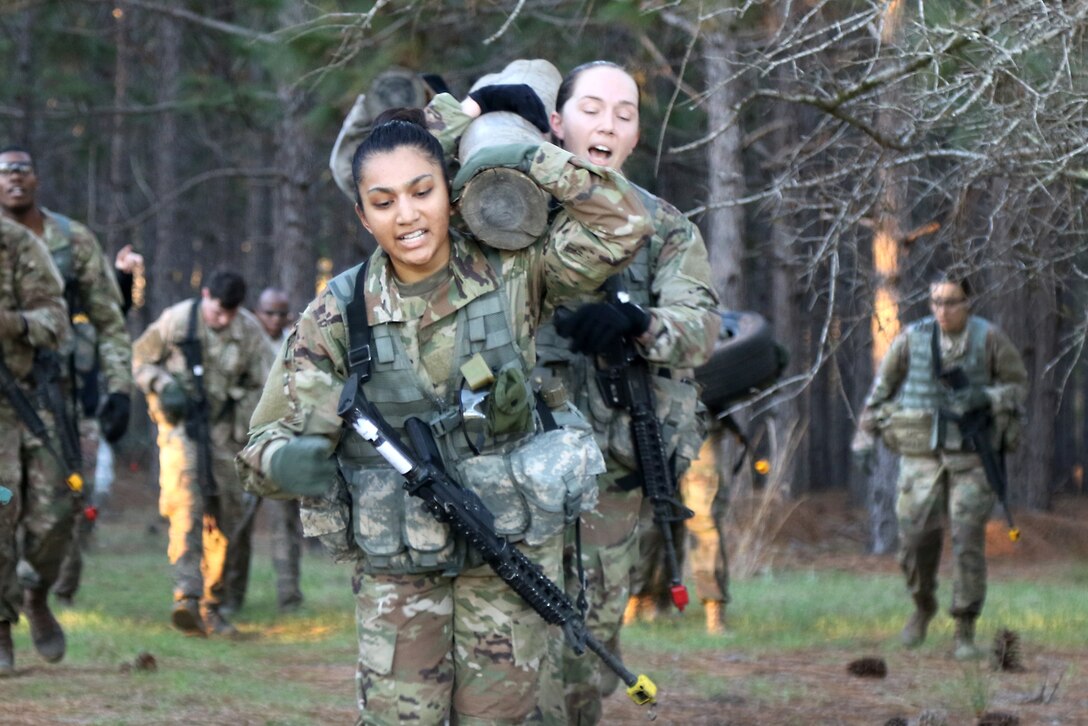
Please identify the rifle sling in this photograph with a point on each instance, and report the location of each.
(197, 421)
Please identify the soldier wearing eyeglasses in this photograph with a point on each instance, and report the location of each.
(915, 413)
(95, 368)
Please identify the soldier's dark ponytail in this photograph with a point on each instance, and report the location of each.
(393, 129)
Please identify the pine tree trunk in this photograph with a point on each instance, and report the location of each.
(724, 224)
(170, 260)
(297, 272)
(885, 319)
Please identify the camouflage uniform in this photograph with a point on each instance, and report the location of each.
(42, 505)
(439, 635)
(938, 479)
(670, 278)
(705, 493)
(286, 543)
(101, 344)
(236, 361)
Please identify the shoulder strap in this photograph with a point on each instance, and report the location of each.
(359, 329)
(190, 346)
(61, 221)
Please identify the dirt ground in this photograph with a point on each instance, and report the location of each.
(821, 533)
(824, 533)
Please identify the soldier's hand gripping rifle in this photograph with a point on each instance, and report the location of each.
(26, 412)
(625, 382)
(197, 417)
(975, 427)
(449, 502)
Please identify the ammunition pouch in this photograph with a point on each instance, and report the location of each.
(329, 520)
(909, 432)
(533, 491)
(676, 403)
(539, 488)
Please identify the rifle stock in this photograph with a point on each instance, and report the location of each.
(466, 514)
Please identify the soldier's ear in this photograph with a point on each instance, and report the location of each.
(557, 125)
(362, 218)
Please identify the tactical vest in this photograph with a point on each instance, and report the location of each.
(676, 400)
(391, 528)
(915, 419)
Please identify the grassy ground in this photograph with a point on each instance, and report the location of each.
(792, 634)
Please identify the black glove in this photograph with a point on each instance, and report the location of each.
(436, 83)
(516, 98)
(114, 416)
(174, 402)
(594, 327)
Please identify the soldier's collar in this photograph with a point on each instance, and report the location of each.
(471, 276)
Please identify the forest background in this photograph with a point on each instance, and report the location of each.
(834, 154)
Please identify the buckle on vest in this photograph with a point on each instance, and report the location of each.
(359, 356)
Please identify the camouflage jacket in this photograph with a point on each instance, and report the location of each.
(236, 361)
(670, 278)
(30, 284)
(97, 300)
(602, 224)
(1007, 387)
(684, 325)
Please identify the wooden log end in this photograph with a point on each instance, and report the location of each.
(504, 208)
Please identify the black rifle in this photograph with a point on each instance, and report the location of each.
(464, 511)
(197, 416)
(25, 410)
(626, 382)
(975, 427)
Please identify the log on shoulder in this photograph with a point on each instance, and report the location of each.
(503, 207)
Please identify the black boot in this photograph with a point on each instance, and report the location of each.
(45, 631)
(215, 623)
(186, 616)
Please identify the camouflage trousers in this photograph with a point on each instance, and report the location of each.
(71, 569)
(198, 547)
(286, 553)
(465, 648)
(609, 547)
(36, 524)
(930, 491)
(703, 492)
